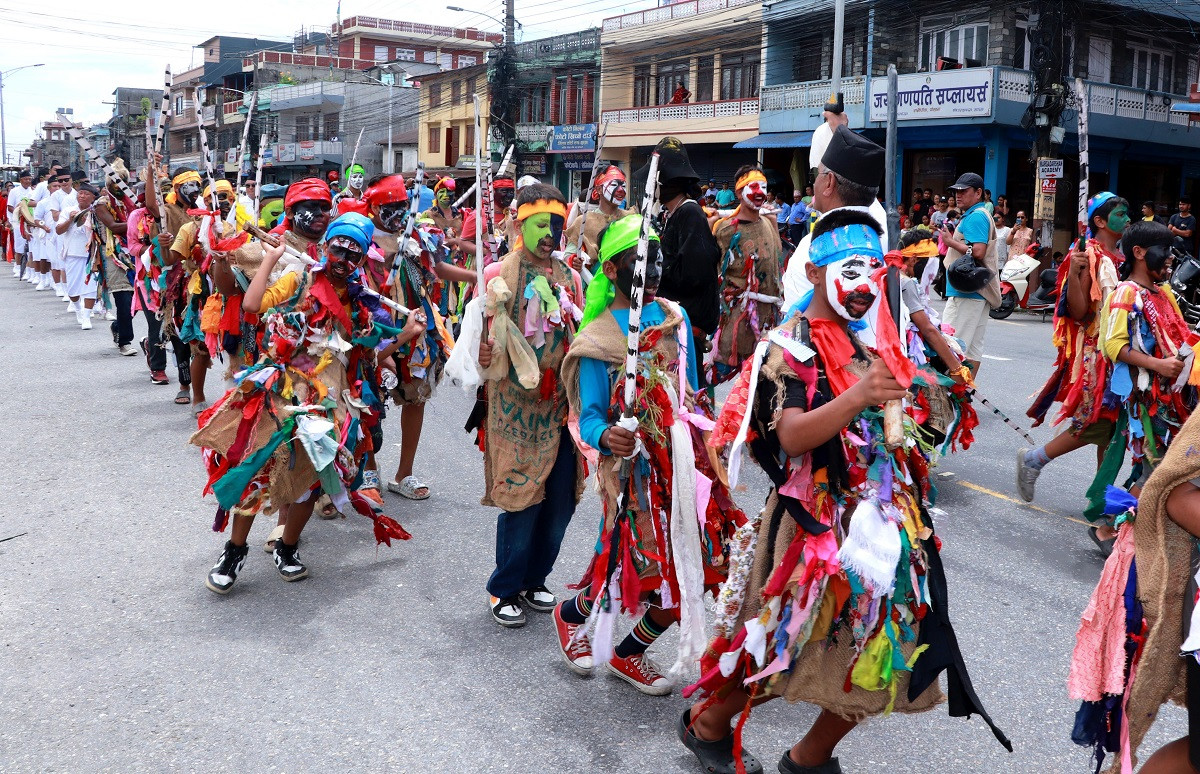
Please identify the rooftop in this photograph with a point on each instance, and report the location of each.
(414, 30)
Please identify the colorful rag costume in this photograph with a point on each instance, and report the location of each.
(836, 593)
(1081, 370)
(116, 264)
(751, 293)
(298, 419)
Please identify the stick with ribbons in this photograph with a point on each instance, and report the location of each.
(499, 173)
(262, 147)
(110, 174)
(209, 181)
(481, 288)
(410, 223)
(242, 146)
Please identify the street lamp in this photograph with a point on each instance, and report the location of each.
(481, 13)
(3, 138)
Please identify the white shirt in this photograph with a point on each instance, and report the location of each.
(42, 212)
(17, 193)
(75, 238)
(1001, 244)
(795, 281)
(41, 191)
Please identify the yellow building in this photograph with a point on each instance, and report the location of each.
(446, 138)
(710, 48)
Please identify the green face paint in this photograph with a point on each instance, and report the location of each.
(534, 229)
(1118, 219)
(443, 197)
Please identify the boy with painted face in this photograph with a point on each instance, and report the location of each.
(676, 464)
(836, 594)
(443, 214)
(298, 421)
(1081, 371)
(751, 292)
(531, 470)
(607, 204)
(349, 199)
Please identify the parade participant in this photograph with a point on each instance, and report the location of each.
(77, 228)
(1081, 371)
(115, 262)
(292, 425)
(531, 470)
(607, 200)
(1153, 380)
(43, 244)
(751, 289)
(420, 273)
(443, 214)
(305, 214)
(673, 464)
(270, 206)
(18, 196)
(350, 198)
(836, 594)
(60, 200)
(690, 253)
(147, 248)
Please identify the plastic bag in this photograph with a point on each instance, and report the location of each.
(462, 368)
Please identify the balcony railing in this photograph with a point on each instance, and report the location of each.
(584, 40)
(1104, 99)
(666, 13)
(811, 95)
(414, 28)
(686, 111)
(289, 59)
(528, 133)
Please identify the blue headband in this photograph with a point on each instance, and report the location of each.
(842, 242)
(1095, 203)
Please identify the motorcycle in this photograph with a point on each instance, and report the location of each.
(1185, 283)
(1014, 285)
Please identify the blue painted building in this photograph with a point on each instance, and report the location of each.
(1136, 58)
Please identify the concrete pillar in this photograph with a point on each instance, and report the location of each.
(652, 87)
(995, 165)
(693, 75)
(716, 76)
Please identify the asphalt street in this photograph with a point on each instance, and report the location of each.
(116, 658)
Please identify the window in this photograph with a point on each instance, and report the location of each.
(455, 92)
(469, 139)
(444, 61)
(471, 87)
(429, 57)
(953, 38)
(307, 127)
(642, 86)
(670, 75)
(435, 95)
(406, 55)
(535, 105)
(739, 76)
(332, 126)
(179, 106)
(435, 139)
(187, 144)
(1099, 59)
(381, 53)
(808, 61)
(467, 61)
(705, 70)
(1153, 68)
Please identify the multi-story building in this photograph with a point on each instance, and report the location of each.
(368, 39)
(969, 99)
(710, 48)
(132, 108)
(557, 82)
(100, 138)
(446, 143)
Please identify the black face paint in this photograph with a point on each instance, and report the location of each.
(624, 280)
(188, 192)
(1156, 257)
(392, 215)
(557, 222)
(306, 214)
(503, 197)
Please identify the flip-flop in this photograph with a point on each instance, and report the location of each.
(276, 533)
(1105, 546)
(714, 757)
(408, 488)
(183, 398)
(200, 408)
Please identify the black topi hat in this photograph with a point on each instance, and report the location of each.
(854, 157)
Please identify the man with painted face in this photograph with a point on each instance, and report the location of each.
(116, 264)
(320, 326)
(606, 205)
(503, 236)
(1081, 372)
(531, 470)
(417, 285)
(813, 423)
(306, 214)
(751, 276)
(593, 374)
(270, 205)
(349, 199)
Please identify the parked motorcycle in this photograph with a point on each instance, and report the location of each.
(1185, 282)
(1015, 287)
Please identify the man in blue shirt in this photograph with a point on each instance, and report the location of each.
(726, 198)
(798, 220)
(781, 217)
(967, 310)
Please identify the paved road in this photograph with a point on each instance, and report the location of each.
(115, 657)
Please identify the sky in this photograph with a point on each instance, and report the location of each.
(87, 49)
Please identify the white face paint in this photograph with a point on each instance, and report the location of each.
(356, 181)
(849, 286)
(614, 191)
(754, 194)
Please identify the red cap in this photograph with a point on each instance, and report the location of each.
(389, 190)
(353, 205)
(310, 189)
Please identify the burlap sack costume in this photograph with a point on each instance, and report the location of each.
(584, 233)
(522, 429)
(758, 248)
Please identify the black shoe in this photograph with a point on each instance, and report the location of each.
(539, 598)
(788, 766)
(715, 757)
(287, 561)
(223, 574)
(508, 612)
(116, 334)
(1105, 546)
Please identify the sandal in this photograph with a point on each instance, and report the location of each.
(714, 757)
(200, 408)
(1105, 546)
(788, 766)
(327, 509)
(183, 397)
(409, 488)
(276, 533)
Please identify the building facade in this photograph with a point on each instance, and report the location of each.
(446, 138)
(374, 40)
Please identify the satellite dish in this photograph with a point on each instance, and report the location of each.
(820, 141)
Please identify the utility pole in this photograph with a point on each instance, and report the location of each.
(893, 204)
(1049, 99)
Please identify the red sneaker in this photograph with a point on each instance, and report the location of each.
(159, 377)
(577, 654)
(373, 496)
(640, 672)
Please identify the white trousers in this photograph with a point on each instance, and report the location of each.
(78, 282)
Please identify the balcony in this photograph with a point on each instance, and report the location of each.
(572, 42)
(303, 153)
(685, 112)
(413, 28)
(533, 136)
(672, 12)
(289, 59)
(1104, 99)
(811, 95)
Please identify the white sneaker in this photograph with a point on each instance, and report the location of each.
(110, 315)
(16, 269)
(59, 290)
(73, 306)
(84, 317)
(43, 284)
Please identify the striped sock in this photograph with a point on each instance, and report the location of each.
(641, 638)
(577, 611)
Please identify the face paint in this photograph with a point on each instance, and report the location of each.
(310, 218)
(443, 197)
(503, 197)
(542, 233)
(1118, 219)
(614, 191)
(1157, 260)
(392, 215)
(624, 279)
(188, 192)
(356, 181)
(754, 194)
(224, 204)
(849, 286)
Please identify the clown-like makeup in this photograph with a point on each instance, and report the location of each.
(392, 215)
(1118, 219)
(849, 286)
(614, 191)
(188, 192)
(356, 181)
(542, 233)
(342, 259)
(1158, 261)
(310, 218)
(754, 194)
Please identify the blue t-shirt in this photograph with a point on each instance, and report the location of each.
(726, 197)
(799, 214)
(974, 228)
(596, 377)
(784, 210)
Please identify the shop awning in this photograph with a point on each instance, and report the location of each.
(778, 140)
(308, 101)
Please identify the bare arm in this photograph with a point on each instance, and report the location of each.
(252, 301)
(452, 273)
(802, 431)
(1079, 287)
(1183, 507)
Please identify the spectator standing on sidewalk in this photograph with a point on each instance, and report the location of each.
(975, 236)
(1002, 232)
(1183, 226)
(1020, 237)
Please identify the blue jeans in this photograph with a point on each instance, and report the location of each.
(527, 541)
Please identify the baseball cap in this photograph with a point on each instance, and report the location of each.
(967, 180)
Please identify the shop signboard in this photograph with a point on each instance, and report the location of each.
(946, 94)
(533, 164)
(308, 150)
(572, 138)
(577, 162)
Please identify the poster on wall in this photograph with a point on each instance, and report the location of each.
(308, 150)
(946, 94)
(285, 152)
(571, 138)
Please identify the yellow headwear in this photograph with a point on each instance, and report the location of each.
(749, 178)
(542, 205)
(187, 176)
(223, 186)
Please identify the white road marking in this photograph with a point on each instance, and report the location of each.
(994, 357)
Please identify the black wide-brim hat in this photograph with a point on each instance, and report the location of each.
(673, 163)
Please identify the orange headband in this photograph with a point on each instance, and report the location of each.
(749, 178)
(542, 205)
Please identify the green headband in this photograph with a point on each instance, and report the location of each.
(619, 236)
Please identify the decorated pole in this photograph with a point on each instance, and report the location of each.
(153, 180)
(262, 147)
(354, 155)
(499, 173)
(164, 110)
(479, 283)
(109, 173)
(633, 337)
(585, 205)
(410, 223)
(245, 140)
(1082, 98)
(209, 181)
